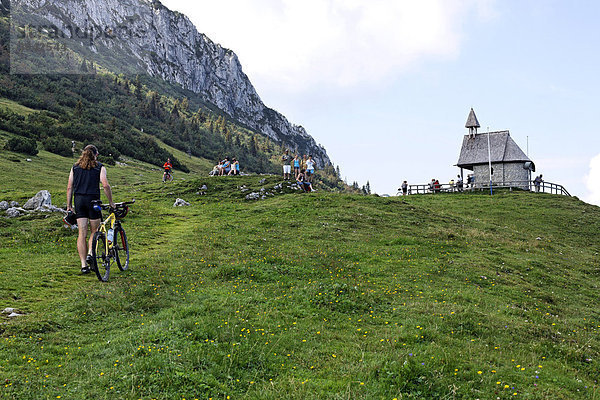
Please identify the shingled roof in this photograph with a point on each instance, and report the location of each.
(472, 121)
(475, 150)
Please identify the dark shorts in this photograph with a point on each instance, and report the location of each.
(84, 208)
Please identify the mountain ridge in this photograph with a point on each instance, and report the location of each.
(146, 36)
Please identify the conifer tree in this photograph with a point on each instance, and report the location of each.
(78, 109)
(138, 88)
(184, 105)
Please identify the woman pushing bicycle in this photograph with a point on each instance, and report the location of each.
(84, 182)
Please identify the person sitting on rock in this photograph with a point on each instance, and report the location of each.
(303, 182)
(226, 166)
(235, 167)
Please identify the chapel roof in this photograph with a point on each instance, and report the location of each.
(503, 148)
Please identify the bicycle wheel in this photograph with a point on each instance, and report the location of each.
(100, 256)
(121, 247)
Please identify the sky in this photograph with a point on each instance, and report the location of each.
(387, 85)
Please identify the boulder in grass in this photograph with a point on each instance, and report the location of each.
(181, 203)
(13, 212)
(41, 199)
(14, 204)
(4, 205)
(253, 196)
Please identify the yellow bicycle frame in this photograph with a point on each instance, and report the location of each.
(110, 221)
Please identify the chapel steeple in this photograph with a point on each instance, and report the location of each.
(472, 124)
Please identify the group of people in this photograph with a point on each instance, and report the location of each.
(457, 185)
(226, 167)
(304, 169)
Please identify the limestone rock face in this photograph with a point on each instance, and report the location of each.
(166, 44)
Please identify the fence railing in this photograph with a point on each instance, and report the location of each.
(544, 187)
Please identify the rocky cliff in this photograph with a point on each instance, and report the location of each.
(143, 35)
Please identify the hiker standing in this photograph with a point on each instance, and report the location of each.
(404, 188)
(538, 182)
(287, 168)
(459, 183)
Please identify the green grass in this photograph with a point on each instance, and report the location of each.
(318, 296)
(15, 107)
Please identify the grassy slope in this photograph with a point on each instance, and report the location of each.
(302, 296)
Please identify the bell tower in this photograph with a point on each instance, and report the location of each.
(472, 124)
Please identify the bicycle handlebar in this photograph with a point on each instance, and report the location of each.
(117, 205)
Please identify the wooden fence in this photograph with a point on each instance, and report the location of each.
(545, 187)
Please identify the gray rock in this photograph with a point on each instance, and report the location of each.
(262, 181)
(51, 208)
(204, 187)
(41, 199)
(181, 203)
(8, 310)
(13, 212)
(14, 315)
(14, 204)
(253, 196)
(4, 205)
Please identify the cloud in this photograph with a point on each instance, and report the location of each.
(593, 181)
(298, 45)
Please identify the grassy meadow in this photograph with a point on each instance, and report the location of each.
(300, 296)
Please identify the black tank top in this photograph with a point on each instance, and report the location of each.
(86, 181)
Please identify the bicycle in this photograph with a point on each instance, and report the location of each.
(109, 240)
(168, 176)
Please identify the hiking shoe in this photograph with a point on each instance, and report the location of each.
(85, 270)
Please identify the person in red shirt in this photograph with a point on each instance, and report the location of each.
(168, 167)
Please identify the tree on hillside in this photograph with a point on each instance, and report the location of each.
(138, 88)
(78, 109)
(253, 146)
(367, 188)
(154, 104)
(175, 111)
(184, 105)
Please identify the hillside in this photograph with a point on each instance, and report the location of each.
(146, 38)
(320, 296)
(131, 117)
